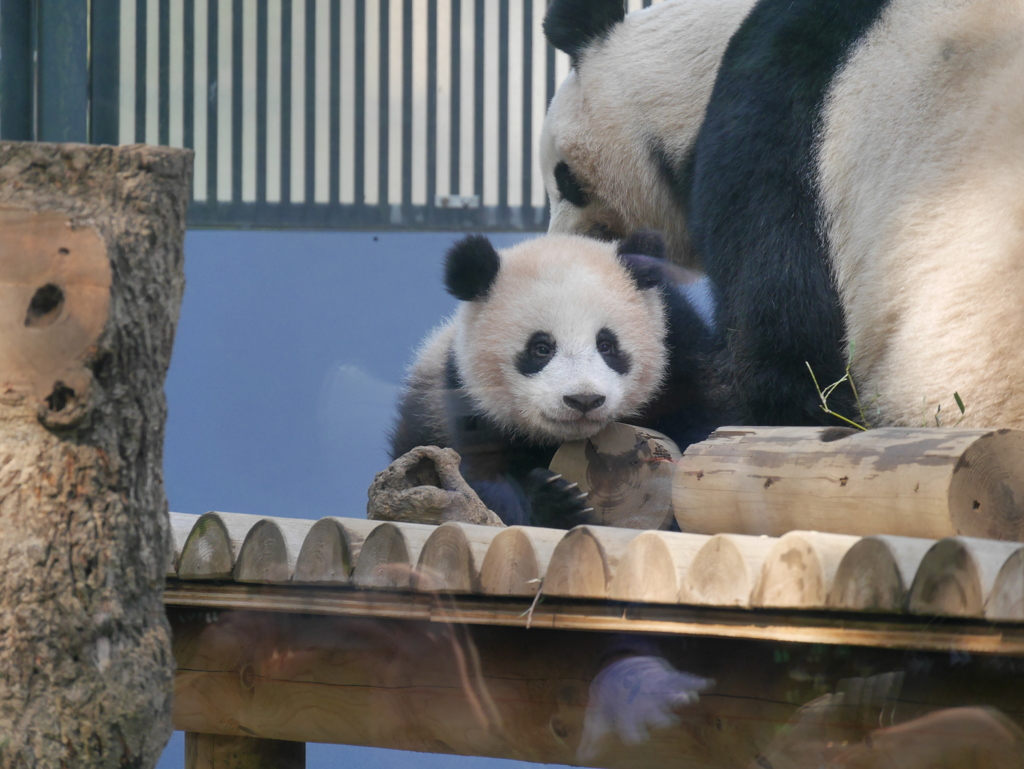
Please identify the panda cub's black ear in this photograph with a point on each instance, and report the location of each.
(572, 25)
(470, 268)
(643, 254)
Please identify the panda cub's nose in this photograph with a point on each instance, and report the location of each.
(583, 402)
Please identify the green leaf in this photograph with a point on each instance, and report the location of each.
(959, 403)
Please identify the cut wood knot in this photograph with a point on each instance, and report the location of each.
(68, 403)
(425, 486)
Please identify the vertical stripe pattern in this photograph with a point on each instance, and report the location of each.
(417, 114)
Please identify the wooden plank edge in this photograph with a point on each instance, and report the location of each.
(976, 636)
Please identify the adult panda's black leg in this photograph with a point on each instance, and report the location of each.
(754, 210)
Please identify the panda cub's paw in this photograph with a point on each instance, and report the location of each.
(554, 502)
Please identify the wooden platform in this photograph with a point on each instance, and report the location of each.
(484, 641)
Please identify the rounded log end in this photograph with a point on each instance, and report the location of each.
(263, 556)
(384, 559)
(800, 569)
(1006, 601)
(325, 555)
(868, 579)
(579, 567)
(646, 572)
(986, 491)
(722, 574)
(207, 553)
(446, 564)
(948, 582)
(511, 565)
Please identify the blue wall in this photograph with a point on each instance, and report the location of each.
(290, 351)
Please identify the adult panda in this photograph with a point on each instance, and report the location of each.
(556, 338)
(857, 184)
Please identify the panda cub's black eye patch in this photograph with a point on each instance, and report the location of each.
(608, 346)
(569, 186)
(539, 350)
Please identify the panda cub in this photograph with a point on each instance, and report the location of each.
(557, 337)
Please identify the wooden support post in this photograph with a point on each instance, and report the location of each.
(90, 288)
(929, 483)
(219, 751)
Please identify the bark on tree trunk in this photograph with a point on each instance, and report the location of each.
(90, 287)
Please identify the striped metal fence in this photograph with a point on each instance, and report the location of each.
(347, 114)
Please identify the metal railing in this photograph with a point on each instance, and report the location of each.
(350, 114)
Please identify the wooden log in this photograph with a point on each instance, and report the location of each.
(928, 483)
(627, 474)
(270, 549)
(1006, 600)
(517, 560)
(726, 570)
(181, 527)
(957, 575)
(800, 569)
(213, 545)
(451, 557)
(418, 686)
(330, 549)
(654, 567)
(585, 561)
(876, 573)
(389, 555)
(91, 281)
(219, 751)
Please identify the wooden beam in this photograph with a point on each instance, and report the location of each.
(523, 694)
(822, 627)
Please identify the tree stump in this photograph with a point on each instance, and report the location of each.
(90, 288)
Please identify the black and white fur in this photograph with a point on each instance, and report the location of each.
(555, 338)
(855, 185)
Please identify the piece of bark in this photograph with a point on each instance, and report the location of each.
(627, 473)
(91, 279)
(424, 486)
(911, 482)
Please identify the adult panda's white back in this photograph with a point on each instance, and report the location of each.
(921, 177)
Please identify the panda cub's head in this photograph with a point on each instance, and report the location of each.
(557, 336)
